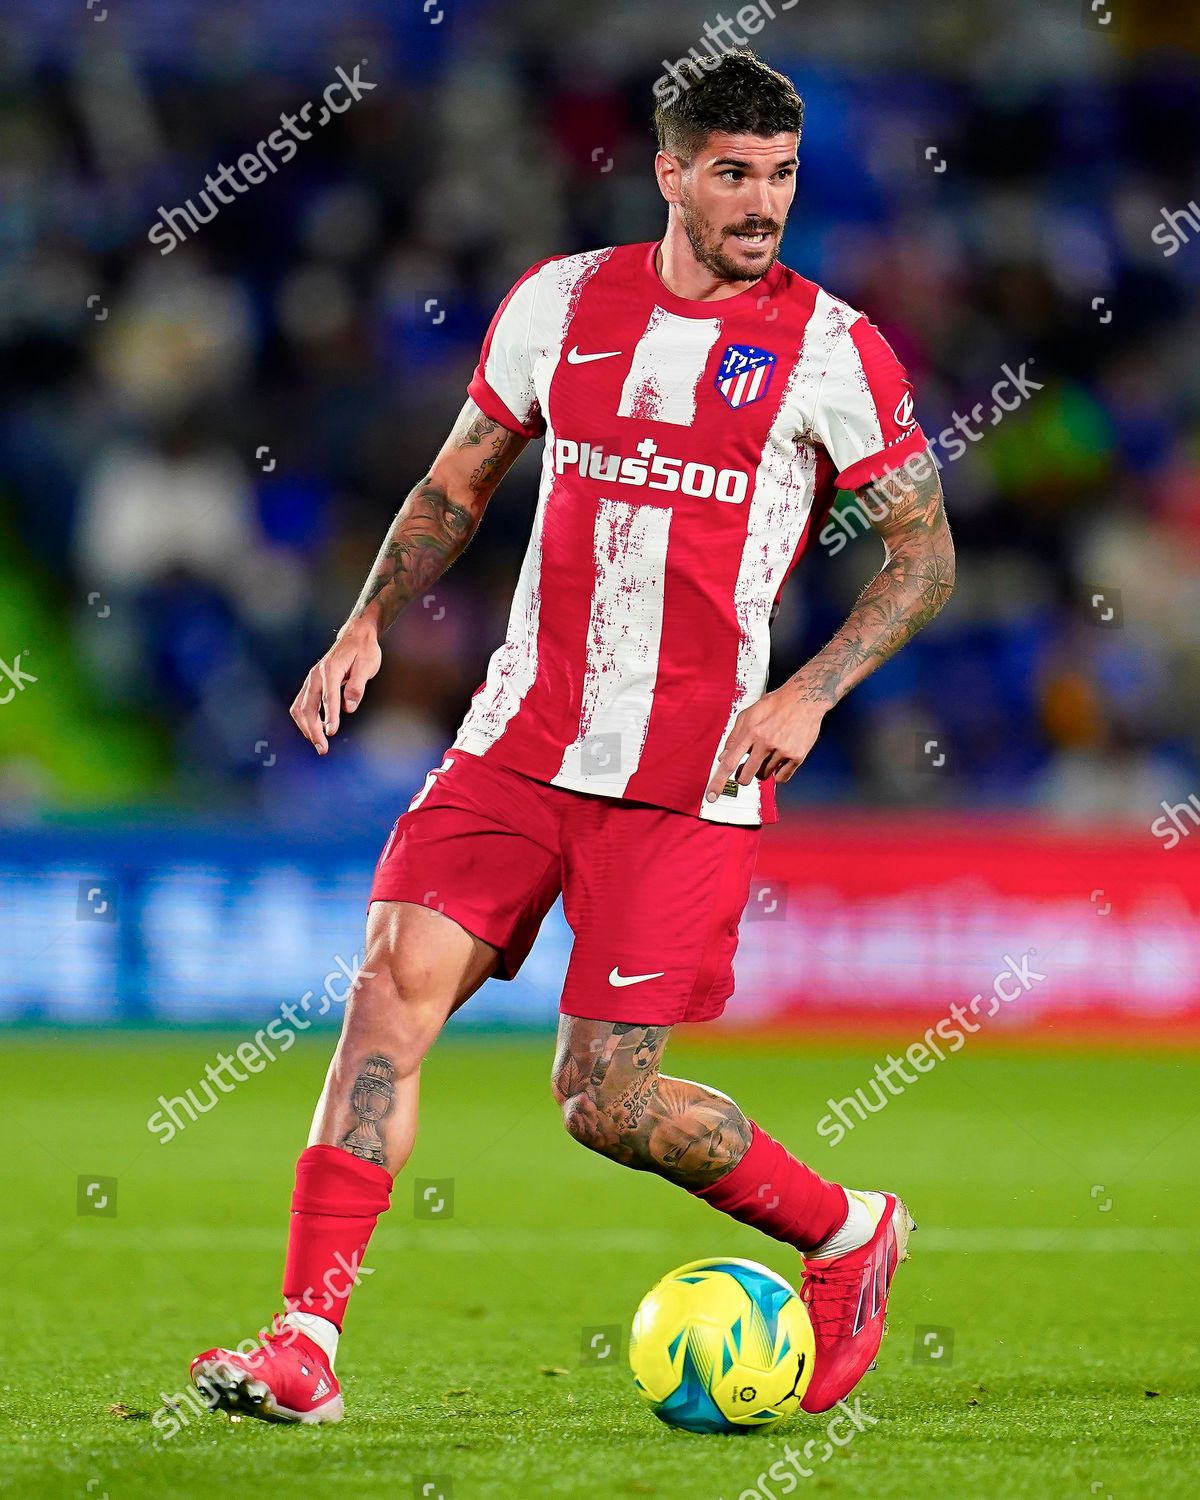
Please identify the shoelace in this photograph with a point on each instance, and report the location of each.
(835, 1304)
(280, 1333)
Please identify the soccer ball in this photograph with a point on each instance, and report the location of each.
(722, 1346)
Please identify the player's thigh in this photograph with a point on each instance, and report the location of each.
(418, 967)
(654, 899)
(479, 847)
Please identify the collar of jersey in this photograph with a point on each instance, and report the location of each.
(690, 307)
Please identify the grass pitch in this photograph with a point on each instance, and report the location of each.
(1054, 1268)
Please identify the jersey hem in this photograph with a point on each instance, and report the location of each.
(471, 744)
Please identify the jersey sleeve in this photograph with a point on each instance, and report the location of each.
(864, 413)
(502, 386)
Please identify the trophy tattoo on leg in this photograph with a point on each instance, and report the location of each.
(371, 1100)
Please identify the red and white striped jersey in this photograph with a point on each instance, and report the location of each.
(692, 451)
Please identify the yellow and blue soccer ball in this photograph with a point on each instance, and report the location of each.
(722, 1346)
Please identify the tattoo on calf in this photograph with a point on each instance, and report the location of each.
(371, 1099)
(618, 1103)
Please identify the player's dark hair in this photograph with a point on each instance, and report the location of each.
(740, 95)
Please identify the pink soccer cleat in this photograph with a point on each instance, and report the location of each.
(847, 1297)
(286, 1379)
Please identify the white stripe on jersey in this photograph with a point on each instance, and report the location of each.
(513, 666)
(624, 632)
(668, 363)
(508, 374)
(784, 485)
(850, 423)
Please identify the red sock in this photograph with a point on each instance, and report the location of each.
(337, 1200)
(776, 1193)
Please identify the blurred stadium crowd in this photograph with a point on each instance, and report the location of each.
(200, 451)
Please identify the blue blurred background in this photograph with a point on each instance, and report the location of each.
(200, 451)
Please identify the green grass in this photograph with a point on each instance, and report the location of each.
(462, 1354)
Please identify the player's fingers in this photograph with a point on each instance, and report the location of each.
(314, 728)
(332, 674)
(306, 712)
(753, 759)
(362, 669)
(786, 770)
(727, 763)
(771, 765)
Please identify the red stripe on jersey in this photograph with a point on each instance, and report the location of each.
(602, 317)
(548, 716)
(701, 633)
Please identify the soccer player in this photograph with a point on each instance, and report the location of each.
(700, 405)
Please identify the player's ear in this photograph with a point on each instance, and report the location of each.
(669, 171)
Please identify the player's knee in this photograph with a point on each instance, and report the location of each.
(397, 977)
(586, 1117)
(396, 1006)
(586, 1123)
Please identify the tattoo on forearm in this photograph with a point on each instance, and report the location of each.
(372, 1099)
(617, 1102)
(913, 585)
(427, 535)
(431, 531)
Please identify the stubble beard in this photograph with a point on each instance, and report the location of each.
(706, 246)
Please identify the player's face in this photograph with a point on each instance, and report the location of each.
(734, 201)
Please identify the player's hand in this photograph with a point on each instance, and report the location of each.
(343, 672)
(770, 738)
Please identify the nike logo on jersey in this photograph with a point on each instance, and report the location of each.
(619, 980)
(575, 358)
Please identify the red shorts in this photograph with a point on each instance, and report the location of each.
(653, 897)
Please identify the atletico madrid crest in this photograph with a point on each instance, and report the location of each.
(745, 374)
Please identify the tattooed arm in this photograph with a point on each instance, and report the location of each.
(774, 735)
(915, 582)
(432, 529)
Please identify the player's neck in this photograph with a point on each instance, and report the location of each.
(681, 273)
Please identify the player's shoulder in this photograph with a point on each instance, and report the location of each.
(810, 300)
(569, 267)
